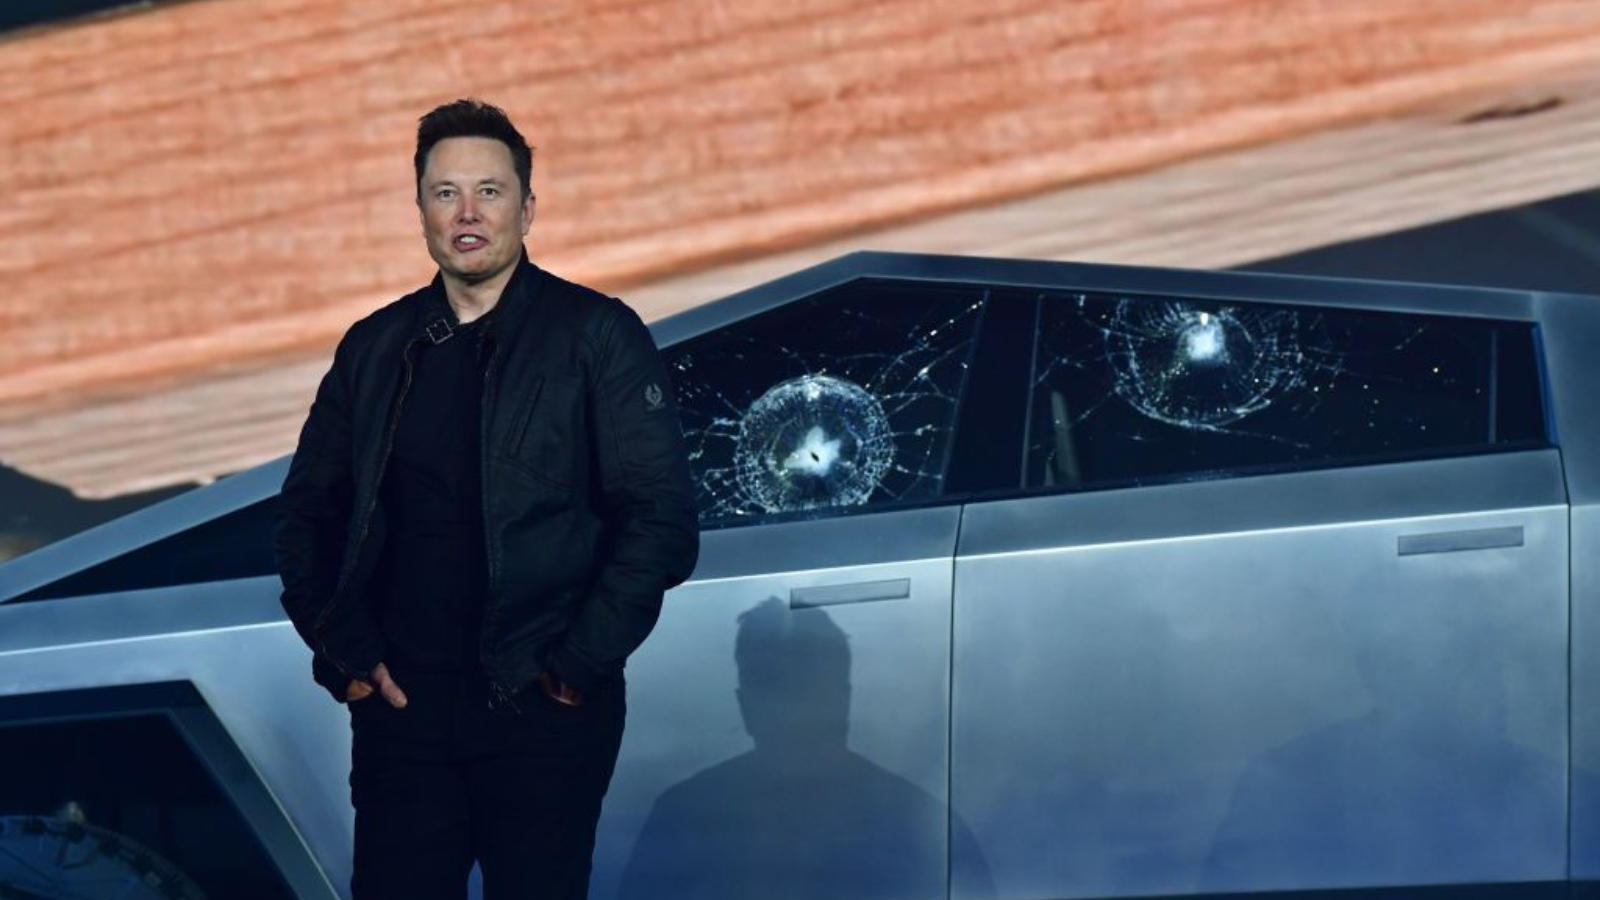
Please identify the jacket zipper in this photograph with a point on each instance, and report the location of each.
(366, 513)
(498, 693)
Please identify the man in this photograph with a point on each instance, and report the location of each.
(490, 495)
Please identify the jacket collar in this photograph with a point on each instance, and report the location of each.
(520, 293)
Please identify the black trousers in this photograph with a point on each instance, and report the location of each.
(447, 780)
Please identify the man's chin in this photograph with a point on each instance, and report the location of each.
(472, 274)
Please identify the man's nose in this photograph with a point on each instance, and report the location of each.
(468, 212)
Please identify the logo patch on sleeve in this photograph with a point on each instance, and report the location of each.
(654, 400)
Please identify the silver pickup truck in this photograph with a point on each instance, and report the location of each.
(1018, 580)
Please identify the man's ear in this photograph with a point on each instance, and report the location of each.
(528, 211)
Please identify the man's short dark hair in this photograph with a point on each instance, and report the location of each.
(473, 118)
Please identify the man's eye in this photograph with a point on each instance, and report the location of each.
(445, 194)
(491, 192)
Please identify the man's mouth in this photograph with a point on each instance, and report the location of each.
(467, 242)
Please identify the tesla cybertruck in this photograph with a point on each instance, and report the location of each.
(1019, 580)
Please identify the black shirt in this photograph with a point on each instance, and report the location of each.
(433, 578)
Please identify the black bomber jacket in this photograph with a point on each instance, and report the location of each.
(588, 510)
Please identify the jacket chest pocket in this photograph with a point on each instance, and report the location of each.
(542, 437)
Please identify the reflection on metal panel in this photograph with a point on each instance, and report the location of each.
(798, 753)
(839, 543)
(1325, 497)
(1265, 710)
(1570, 332)
(1585, 830)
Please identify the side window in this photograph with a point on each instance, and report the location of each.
(836, 402)
(1133, 389)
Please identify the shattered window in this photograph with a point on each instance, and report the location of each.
(1128, 389)
(838, 401)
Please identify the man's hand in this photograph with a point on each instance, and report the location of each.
(559, 692)
(382, 683)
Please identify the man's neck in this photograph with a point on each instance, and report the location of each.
(470, 300)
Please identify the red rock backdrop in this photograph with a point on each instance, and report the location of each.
(210, 186)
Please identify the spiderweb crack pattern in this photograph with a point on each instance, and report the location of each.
(854, 407)
(1194, 366)
(1314, 383)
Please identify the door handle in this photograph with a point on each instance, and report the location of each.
(1452, 541)
(859, 592)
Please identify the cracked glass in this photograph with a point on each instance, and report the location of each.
(1128, 389)
(833, 403)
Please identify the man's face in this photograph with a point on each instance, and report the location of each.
(473, 214)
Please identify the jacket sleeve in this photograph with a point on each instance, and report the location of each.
(311, 527)
(646, 498)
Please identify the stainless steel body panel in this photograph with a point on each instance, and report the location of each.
(140, 528)
(1130, 692)
(885, 768)
(1274, 700)
(248, 664)
(1570, 328)
(796, 751)
(1326, 496)
(1584, 830)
